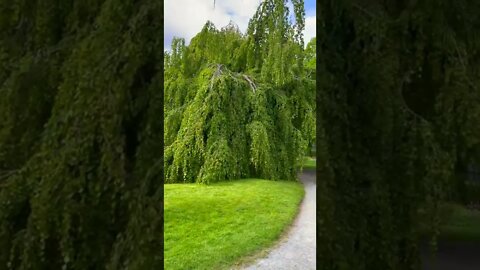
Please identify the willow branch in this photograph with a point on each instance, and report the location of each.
(402, 98)
(252, 84)
(217, 73)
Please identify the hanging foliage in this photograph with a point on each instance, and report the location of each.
(238, 105)
(80, 154)
(388, 144)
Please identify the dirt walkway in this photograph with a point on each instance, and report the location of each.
(297, 249)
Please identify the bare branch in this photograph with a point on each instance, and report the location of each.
(234, 76)
(364, 10)
(6, 174)
(252, 84)
(462, 61)
(406, 78)
(217, 73)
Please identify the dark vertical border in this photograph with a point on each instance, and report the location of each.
(162, 211)
(317, 110)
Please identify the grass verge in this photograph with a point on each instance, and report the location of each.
(309, 163)
(462, 223)
(458, 223)
(214, 226)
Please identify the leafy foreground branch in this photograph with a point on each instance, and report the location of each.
(79, 126)
(398, 118)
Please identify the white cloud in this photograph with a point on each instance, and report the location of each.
(185, 18)
(310, 28)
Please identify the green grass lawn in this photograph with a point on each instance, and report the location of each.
(214, 226)
(310, 163)
(462, 223)
(458, 223)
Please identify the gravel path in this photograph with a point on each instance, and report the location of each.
(453, 256)
(297, 250)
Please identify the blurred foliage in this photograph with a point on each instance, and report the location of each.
(80, 159)
(398, 114)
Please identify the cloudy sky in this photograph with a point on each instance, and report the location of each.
(185, 18)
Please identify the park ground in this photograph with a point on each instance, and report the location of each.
(215, 226)
(228, 224)
(458, 246)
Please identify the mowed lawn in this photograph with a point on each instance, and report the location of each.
(309, 163)
(462, 223)
(213, 226)
(456, 223)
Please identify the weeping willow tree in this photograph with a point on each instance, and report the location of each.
(398, 111)
(240, 105)
(80, 140)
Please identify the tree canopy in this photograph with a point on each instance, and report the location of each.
(240, 105)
